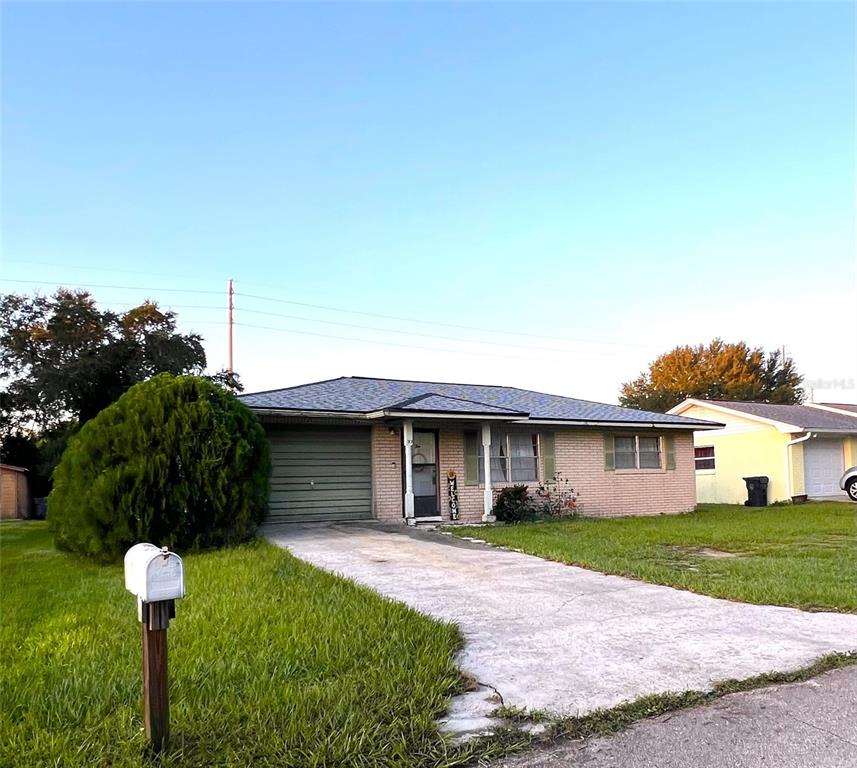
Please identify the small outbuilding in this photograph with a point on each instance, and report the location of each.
(14, 492)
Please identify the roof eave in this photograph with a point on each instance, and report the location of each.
(832, 409)
(309, 414)
(628, 424)
(515, 418)
(825, 431)
(781, 426)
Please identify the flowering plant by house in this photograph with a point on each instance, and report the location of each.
(557, 498)
(553, 499)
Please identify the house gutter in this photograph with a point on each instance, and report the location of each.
(625, 424)
(307, 414)
(514, 418)
(788, 454)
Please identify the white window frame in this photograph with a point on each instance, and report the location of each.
(505, 439)
(637, 467)
(713, 457)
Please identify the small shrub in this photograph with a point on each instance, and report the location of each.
(513, 505)
(556, 498)
(176, 461)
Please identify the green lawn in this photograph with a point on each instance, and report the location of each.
(803, 556)
(272, 663)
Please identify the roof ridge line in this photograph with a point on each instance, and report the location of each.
(425, 395)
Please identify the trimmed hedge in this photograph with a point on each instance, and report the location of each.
(176, 461)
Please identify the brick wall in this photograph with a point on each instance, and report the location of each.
(387, 473)
(469, 496)
(579, 457)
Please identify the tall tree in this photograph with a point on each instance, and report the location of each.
(63, 360)
(714, 371)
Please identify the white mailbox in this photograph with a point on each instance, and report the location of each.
(153, 574)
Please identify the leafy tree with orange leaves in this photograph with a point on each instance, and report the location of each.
(715, 371)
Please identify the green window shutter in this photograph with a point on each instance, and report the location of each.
(547, 443)
(609, 453)
(669, 442)
(471, 458)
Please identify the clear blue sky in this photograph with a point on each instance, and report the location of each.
(632, 175)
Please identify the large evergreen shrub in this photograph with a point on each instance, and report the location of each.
(176, 461)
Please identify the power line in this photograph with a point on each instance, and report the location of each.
(91, 268)
(444, 350)
(75, 284)
(401, 332)
(329, 308)
(435, 322)
(166, 306)
(205, 322)
(383, 343)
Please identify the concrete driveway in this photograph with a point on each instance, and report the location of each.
(564, 639)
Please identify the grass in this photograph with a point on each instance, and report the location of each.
(604, 722)
(803, 556)
(272, 662)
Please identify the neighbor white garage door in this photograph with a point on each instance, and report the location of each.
(822, 461)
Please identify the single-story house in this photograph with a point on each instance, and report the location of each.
(802, 449)
(14, 492)
(360, 448)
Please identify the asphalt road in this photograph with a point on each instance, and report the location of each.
(802, 725)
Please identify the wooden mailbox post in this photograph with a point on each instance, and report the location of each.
(156, 577)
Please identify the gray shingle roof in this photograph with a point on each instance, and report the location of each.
(842, 406)
(445, 404)
(802, 416)
(354, 394)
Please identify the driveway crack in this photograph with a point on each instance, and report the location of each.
(821, 730)
(496, 692)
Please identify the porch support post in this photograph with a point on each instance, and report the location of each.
(488, 497)
(408, 439)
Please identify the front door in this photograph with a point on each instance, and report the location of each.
(424, 467)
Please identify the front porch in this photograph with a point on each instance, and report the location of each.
(434, 470)
(423, 459)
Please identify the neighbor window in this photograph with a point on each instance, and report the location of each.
(637, 452)
(514, 458)
(704, 457)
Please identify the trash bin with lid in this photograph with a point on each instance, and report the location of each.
(757, 491)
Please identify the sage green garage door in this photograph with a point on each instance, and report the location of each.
(320, 474)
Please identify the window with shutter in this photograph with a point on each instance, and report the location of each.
(547, 443)
(471, 458)
(636, 452)
(514, 458)
(609, 453)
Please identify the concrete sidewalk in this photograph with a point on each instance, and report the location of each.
(565, 639)
(803, 725)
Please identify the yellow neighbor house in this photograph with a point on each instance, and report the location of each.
(802, 449)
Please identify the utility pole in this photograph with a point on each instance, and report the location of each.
(230, 293)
